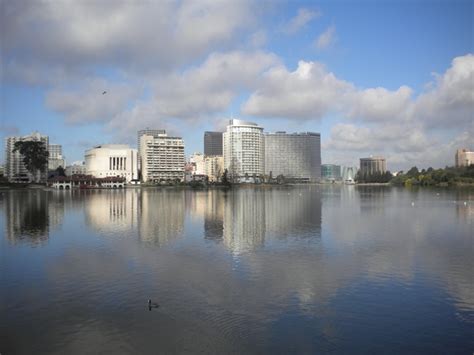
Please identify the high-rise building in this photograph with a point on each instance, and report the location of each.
(373, 165)
(15, 170)
(150, 132)
(162, 158)
(212, 143)
(55, 159)
(331, 172)
(112, 160)
(244, 150)
(464, 157)
(296, 156)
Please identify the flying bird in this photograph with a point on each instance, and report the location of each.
(105, 92)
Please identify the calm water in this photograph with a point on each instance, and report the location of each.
(310, 269)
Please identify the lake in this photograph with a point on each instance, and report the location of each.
(276, 270)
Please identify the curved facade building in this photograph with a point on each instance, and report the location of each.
(244, 149)
(112, 160)
(296, 156)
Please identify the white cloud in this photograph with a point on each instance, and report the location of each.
(87, 103)
(133, 36)
(302, 18)
(309, 92)
(327, 38)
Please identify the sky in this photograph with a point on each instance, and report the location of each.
(390, 78)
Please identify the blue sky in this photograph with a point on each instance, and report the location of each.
(392, 78)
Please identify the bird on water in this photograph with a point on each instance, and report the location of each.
(152, 305)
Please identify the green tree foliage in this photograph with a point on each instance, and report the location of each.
(374, 178)
(60, 171)
(436, 177)
(35, 155)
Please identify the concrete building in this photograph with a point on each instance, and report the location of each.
(55, 159)
(463, 157)
(214, 168)
(296, 156)
(15, 170)
(372, 165)
(197, 162)
(244, 150)
(331, 172)
(162, 158)
(212, 143)
(112, 160)
(150, 132)
(76, 168)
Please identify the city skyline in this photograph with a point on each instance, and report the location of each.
(394, 80)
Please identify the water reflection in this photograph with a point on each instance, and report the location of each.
(257, 270)
(30, 215)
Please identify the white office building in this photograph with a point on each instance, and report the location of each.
(162, 158)
(15, 170)
(55, 159)
(244, 150)
(112, 160)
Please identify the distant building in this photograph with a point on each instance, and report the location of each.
(349, 173)
(112, 160)
(244, 150)
(55, 159)
(464, 157)
(331, 172)
(213, 143)
(162, 158)
(197, 161)
(372, 165)
(214, 168)
(76, 168)
(296, 156)
(15, 170)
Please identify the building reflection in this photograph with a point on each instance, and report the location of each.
(155, 216)
(214, 215)
(30, 215)
(244, 219)
(294, 213)
(162, 215)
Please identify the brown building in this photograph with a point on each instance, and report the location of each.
(463, 157)
(372, 165)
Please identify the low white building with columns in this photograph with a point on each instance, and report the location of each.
(112, 160)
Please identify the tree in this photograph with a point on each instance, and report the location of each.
(35, 156)
(60, 171)
(225, 178)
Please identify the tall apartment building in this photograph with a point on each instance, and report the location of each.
(162, 158)
(244, 149)
(112, 160)
(463, 157)
(150, 132)
(55, 159)
(15, 170)
(212, 143)
(296, 156)
(372, 165)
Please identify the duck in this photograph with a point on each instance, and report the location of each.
(152, 305)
